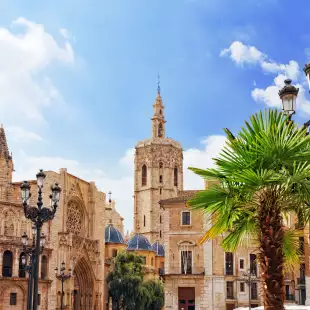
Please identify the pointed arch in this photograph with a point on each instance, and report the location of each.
(144, 175)
(84, 283)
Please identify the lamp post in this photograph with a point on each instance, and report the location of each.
(249, 280)
(62, 277)
(39, 215)
(30, 251)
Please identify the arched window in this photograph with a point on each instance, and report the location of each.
(7, 264)
(175, 174)
(43, 267)
(144, 175)
(160, 219)
(161, 164)
(144, 220)
(21, 269)
(160, 130)
(160, 179)
(160, 111)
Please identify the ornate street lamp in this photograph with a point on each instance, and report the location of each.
(288, 95)
(39, 215)
(62, 277)
(249, 279)
(30, 251)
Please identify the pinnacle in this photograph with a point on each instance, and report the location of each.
(4, 150)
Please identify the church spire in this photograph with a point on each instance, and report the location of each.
(4, 150)
(158, 119)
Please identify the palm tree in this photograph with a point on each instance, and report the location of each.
(261, 176)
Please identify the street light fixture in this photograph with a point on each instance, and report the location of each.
(31, 252)
(62, 277)
(38, 215)
(249, 280)
(288, 95)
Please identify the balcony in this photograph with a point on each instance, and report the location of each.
(177, 271)
(290, 297)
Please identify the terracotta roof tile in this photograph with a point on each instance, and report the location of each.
(183, 196)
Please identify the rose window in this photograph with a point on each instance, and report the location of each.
(74, 218)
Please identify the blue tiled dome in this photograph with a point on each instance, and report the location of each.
(113, 235)
(139, 242)
(158, 248)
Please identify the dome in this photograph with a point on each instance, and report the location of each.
(139, 242)
(113, 235)
(158, 248)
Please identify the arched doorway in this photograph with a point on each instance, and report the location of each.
(83, 294)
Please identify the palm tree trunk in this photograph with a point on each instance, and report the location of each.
(271, 250)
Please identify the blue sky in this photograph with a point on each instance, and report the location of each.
(92, 84)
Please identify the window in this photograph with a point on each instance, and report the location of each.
(186, 262)
(39, 299)
(160, 234)
(43, 267)
(241, 263)
(13, 299)
(253, 264)
(21, 267)
(160, 179)
(186, 218)
(144, 220)
(160, 111)
(160, 130)
(114, 253)
(160, 191)
(230, 290)
(160, 219)
(175, 174)
(152, 261)
(161, 165)
(144, 175)
(254, 290)
(229, 263)
(143, 260)
(7, 264)
(242, 287)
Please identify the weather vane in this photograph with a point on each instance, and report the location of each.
(158, 83)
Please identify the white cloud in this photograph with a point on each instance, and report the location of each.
(19, 134)
(25, 90)
(201, 158)
(241, 53)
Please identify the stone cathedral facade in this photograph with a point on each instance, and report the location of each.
(75, 236)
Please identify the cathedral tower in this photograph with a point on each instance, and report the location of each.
(158, 174)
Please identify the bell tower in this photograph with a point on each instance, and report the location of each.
(158, 174)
